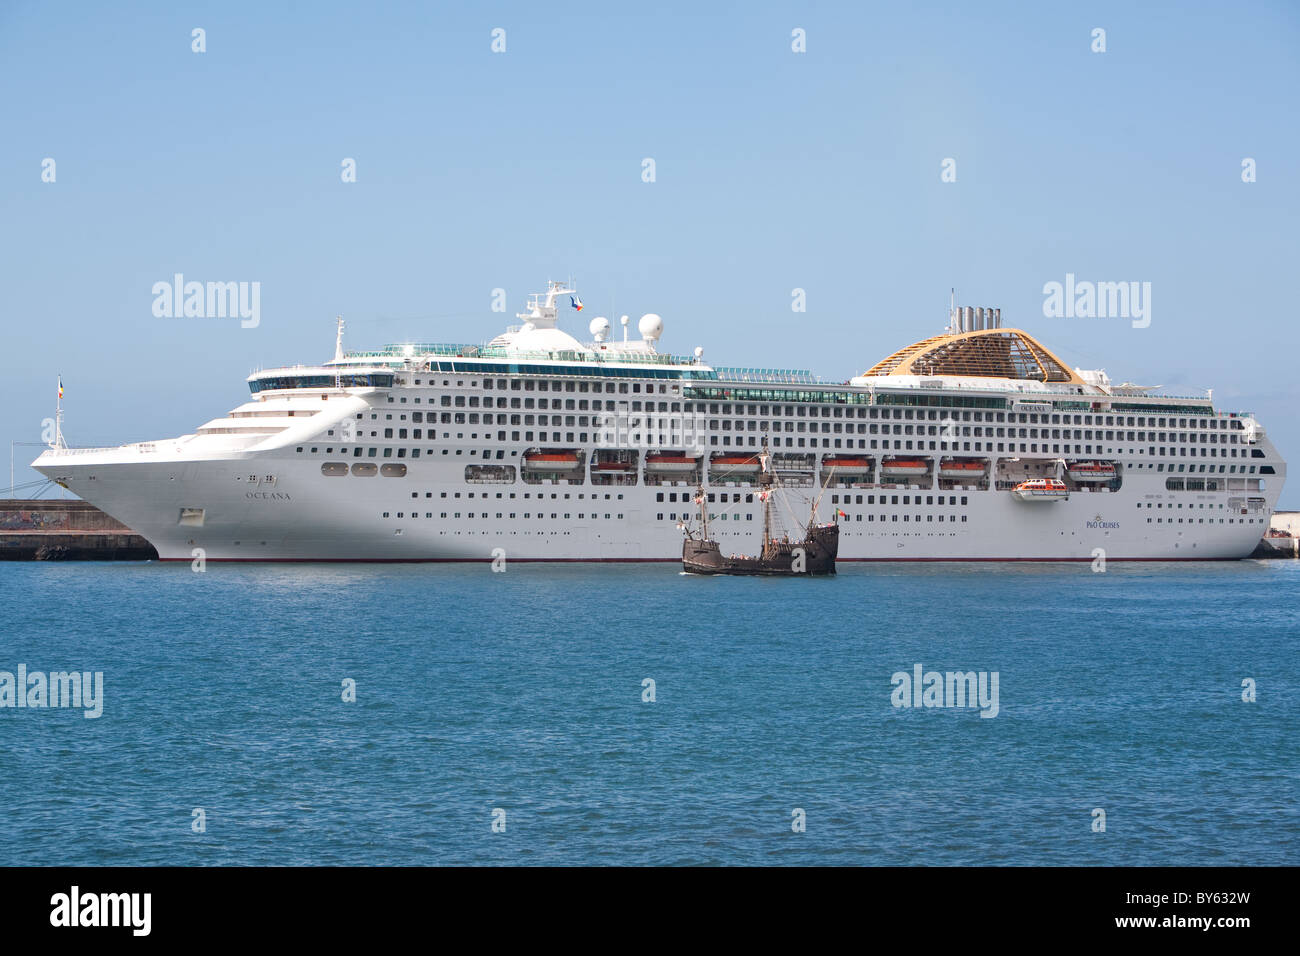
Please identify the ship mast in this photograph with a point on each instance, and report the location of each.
(338, 355)
(704, 512)
(58, 421)
(765, 483)
(830, 478)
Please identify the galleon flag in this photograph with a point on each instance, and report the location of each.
(575, 302)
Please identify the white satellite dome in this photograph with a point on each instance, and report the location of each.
(532, 339)
(599, 328)
(650, 326)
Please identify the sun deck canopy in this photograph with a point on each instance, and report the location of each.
(986, 353)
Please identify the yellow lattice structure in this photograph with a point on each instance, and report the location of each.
(987, 353)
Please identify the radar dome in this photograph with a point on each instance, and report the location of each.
(651, 327)
(599, 328)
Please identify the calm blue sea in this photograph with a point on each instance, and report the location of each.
(523, 691)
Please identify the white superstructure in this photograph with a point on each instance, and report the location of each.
(554, 449)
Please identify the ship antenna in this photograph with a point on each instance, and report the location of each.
(338, 341)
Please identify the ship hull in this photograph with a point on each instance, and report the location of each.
(814, 555)
(274, 506)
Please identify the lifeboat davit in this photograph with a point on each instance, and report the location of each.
(1090, 471)
(551, 461)
(736, 463)
(663, 462)
(903, 466)
(962, 469)
(1042, 489)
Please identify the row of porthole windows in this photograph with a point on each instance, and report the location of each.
(1190, 506)
(540, 515)
(371, 453)
(749, 517)
(337, 469)
(1202, 521)
(540, 497)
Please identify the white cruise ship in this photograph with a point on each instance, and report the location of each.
(975, 444)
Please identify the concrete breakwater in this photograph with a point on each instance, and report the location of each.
(66, 530)
(1277, 548)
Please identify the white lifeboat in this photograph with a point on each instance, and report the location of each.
(552, 461)
(1042, 489)
(951, 468)
(847, 464)
(1090, 471)
(664, 463)
(738, 464)
(903, 466)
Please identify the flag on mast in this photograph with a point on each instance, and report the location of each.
(60, 386)
(576, 302)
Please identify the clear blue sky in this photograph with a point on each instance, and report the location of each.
(775, 170)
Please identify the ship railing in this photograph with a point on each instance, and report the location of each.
(453, 350)
(767, 376)
(598, 358)
(144, 447)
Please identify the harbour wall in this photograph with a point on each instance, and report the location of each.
(66, 530)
